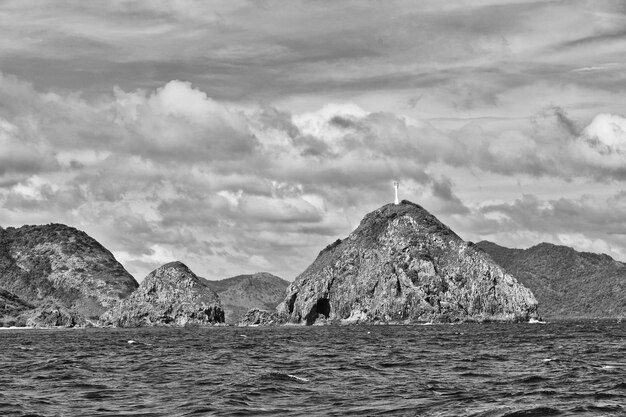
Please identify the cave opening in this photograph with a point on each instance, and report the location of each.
(321, 308)
(291, 302)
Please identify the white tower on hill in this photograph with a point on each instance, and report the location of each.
(396, 185)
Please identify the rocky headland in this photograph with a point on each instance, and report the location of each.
(171, 295)
(61, 272)
(568, 284)
(245, 292)
(402, 265)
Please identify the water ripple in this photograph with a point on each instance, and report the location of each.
(440, 370)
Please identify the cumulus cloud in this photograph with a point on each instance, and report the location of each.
(607, 133)
(172, 173)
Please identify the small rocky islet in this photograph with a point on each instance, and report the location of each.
(401, 265)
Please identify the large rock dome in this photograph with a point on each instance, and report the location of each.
(402, 265)
(171, 295)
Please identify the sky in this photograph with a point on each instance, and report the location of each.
(244, 136)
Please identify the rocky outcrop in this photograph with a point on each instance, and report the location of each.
(568, 284)
(60, 263)
(171, 295)
(239, 294)
(255, 317)
(11, 309)
(403, 265)
(53, 314)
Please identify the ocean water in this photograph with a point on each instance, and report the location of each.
(569, 368)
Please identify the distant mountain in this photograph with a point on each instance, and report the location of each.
(60, 265)
(171, 295)
(567, 283)
(403, 265)
(244, 292)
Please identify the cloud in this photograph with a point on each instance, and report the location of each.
(588, 223)
(607, 132)
(228, 188)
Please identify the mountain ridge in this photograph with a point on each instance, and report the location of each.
(568, 283)
(241, 293)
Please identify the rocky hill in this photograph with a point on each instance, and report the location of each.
(567, 283)
(57, 264)
(244, 292)
(403, 265)
(171, 295)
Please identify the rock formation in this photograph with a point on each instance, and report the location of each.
(11, 308)
(244, 292)
(567, 283)
(63, 265)
(257, 316)
(171, 295)
(402, 265)
(52, 314)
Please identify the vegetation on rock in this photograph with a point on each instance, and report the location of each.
(63, 264)
(11, 309)
(403, 265)
(567, 283)
(171, 295)
(244, 292)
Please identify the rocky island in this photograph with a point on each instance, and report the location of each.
(171, 295)
(401, 265)
(66, 277)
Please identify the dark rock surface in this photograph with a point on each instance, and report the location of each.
(11, 309)
(171, 295)
(403, 265)
(241, 293)
(53, 314)
(256, 316)
(60, 263)
(567, 283)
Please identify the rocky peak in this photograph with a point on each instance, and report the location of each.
(171, 295)
(402, 264)
(61, 263)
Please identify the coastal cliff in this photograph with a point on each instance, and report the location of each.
(568, 284)
(59, 266)
(171, 295)
(402, 265)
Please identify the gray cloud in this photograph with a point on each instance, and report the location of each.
(236, 50)
(105, 135)
(588, 223)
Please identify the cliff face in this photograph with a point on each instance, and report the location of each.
(568, 284)
(402, 265)
(171, 295)
(244, 292)
(60, 263)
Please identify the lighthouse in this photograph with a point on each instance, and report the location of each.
(395, 186)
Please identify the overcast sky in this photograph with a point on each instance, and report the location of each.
(244, 136)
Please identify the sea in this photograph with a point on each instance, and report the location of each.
(572, 368)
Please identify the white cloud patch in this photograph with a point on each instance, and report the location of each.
(608, 133)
